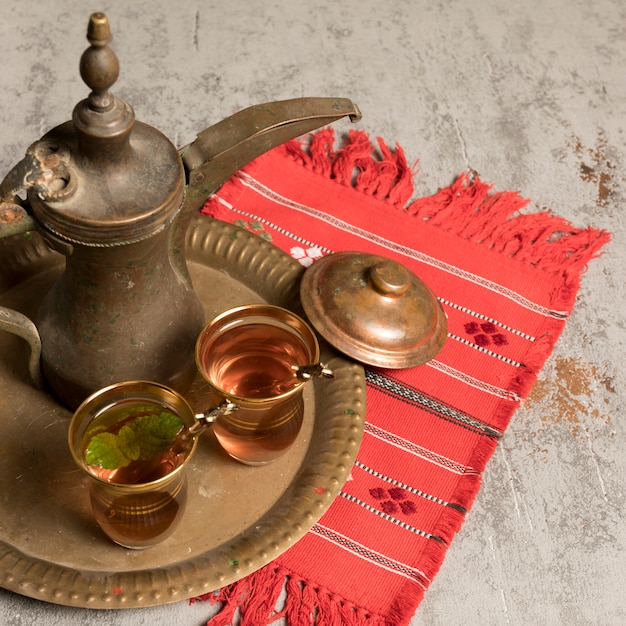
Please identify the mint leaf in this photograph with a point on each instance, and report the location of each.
(128, 442)
(143, 438)
(103, 450)
(153, 434)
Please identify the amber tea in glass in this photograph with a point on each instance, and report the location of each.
(133, 441)
(248, 356)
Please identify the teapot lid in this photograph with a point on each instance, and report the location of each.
(107, 179)
(373, 309)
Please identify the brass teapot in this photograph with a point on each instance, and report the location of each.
(115, 197)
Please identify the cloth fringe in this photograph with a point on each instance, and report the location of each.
(385, 176)
(469, 209)
(252, 601)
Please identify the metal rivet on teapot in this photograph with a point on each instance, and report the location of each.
(115, 197)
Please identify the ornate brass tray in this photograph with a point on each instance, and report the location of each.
(238, 518)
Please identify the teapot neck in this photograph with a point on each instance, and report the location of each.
(104, 136)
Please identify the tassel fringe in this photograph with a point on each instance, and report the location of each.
(467, 208)
(385, 176)
(252, 601)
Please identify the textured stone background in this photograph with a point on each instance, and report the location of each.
(530, 94)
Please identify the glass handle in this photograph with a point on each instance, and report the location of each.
(313, 370)
(206, 418)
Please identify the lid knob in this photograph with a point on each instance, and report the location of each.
(118, 181)
(390, 278)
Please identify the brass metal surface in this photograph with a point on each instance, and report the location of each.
(374, 309)
(238, 517)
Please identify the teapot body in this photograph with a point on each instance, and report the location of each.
(115, 314)
(124, 308)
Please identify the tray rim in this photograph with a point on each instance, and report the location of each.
(275, 279)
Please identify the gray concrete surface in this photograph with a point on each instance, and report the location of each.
(532, 95)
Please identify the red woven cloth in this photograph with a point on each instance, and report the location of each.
(507, 282)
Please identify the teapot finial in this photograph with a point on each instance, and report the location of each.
(99, 66)
(103, 122)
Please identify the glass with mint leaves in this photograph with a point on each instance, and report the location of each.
(133, 440)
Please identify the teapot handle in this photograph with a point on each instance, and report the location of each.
(14, 220)
(18, 324)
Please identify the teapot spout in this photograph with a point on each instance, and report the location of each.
(224, 148)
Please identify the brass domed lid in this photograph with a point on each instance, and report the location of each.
(373, 309)
(109, 179)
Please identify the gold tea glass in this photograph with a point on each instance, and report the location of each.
(258, 358)
(139, 497)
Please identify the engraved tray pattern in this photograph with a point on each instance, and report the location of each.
(238, 519)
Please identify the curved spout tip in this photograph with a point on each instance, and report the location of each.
(357, 115)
